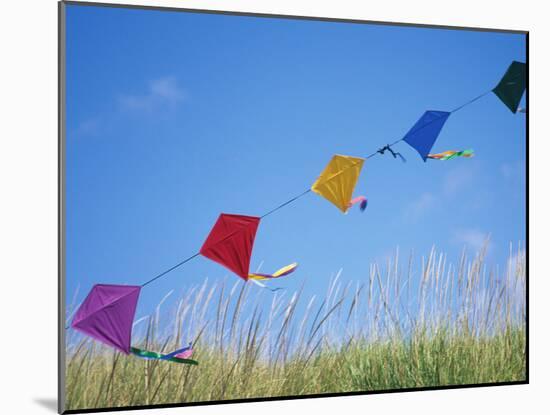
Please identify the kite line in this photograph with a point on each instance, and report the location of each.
(170, 269)
(387, 147)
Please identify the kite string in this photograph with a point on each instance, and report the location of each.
(170, 269)
(471, 101)
(288, 202)
(482, 95)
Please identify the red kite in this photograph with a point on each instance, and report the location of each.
(230, 244)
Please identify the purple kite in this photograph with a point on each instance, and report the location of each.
(107, 314)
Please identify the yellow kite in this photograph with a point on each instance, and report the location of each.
(337, 182)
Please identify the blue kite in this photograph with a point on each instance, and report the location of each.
(423, 134)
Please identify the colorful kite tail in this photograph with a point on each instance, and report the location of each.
(277, 274)
(259, 284)
(362, 200)
(170, 357)
(451, 154)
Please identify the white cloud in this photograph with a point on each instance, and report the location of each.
(167, 88)
(161, 92)
(474, 239)
(460, 178)
(516, 260)
(89, 126)
(513, 170)
(464, 177)
(420, 206)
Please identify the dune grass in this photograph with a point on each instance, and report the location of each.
(396, 328)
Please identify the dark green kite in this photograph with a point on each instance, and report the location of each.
(512, 85)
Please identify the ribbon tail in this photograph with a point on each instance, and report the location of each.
(145, 354)
(176, 352)
(279, 273)
(451, 154)
(258, 283)
(362, 200)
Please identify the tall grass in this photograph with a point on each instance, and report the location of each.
(443, 324)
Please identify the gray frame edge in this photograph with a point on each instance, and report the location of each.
(290, 17)
(61, 112)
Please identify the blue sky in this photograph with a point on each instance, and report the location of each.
(173, 118)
